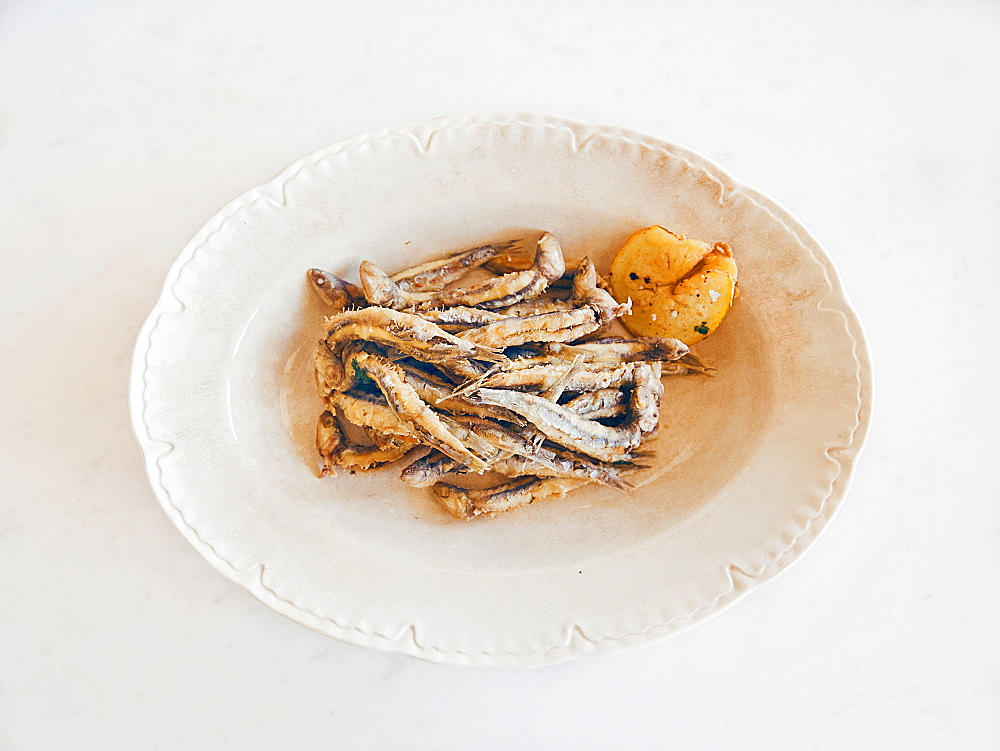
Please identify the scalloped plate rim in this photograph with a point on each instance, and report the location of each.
(576, 644)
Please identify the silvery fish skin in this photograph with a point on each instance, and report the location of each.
(477, 374)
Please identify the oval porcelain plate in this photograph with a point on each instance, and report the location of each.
(750, 464)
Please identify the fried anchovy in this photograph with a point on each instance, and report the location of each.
(468, 504)
(593, 309)
(505, 290)
(336, 450)
(371, 410)
(614, 350)
(430, 469)
(380, 289)
(460, 316)
(435, 275)
(334, 291)
(403, 331)
(507, 441)
(587, 377)
(567, 428)
(554, 391)
(409, 407)
(329, 441)
(536, 306)
(557, 326)
(441, 396)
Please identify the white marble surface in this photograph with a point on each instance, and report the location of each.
(124, 126)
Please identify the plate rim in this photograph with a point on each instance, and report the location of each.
(576, 644)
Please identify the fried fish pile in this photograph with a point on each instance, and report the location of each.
(501, 376)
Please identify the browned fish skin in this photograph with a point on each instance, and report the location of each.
(588, 378)
(477, 373)
(468, 504)
(380, 289)
(334, 371)
(441, 396)
(429, 469)
(595, 405)
(329, 441)
(613, 350)
(403, 331)
(562, 321)
(508, 441)
(366, 457)
(435, 275)
(372, 411)
(335, 292)
(518, 466)
(410, 408)
(536, 306)
(586, 292)
(460, 315)
(644, 405)
(567, 428)
(557, 326)
(336, 450)
(515, 286)
(564, 427)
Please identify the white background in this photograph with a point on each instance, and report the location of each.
(124, 126)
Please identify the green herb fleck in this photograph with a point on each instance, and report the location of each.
(361, 376)
(702, 328)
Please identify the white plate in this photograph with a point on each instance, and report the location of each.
(750, 466)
